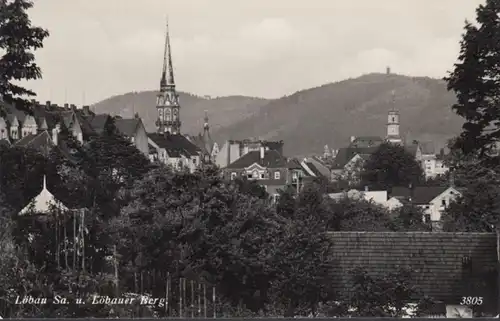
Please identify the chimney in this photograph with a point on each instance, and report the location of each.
(262, 152)
(47, 104)
(72, 106)
(66, 106)
(86, 110)
(388, 70)
(353, 138)
(55, 134)
(366, 188)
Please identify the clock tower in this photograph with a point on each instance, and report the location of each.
(167, 102)
(393, 135)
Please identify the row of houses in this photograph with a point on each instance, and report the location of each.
(349, 160)
(433, 200)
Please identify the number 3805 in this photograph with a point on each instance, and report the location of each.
(471, 300)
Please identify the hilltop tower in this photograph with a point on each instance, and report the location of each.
(393, 135)
(167, 103)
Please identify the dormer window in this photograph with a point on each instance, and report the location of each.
(277, 175)
(233, 176)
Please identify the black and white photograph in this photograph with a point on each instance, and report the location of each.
(240, 159)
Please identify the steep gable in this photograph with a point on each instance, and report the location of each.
(272, 159)
(420, 195)
(127, 127)
(176, 145)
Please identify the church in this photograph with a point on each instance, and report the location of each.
(168, 145)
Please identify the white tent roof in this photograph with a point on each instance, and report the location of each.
(42, 202)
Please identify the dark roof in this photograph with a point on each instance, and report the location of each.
(5, 142)
(366, 141)
(277, 146)
(127, 126)
(175, 144)
(204, 142)
(421, 194)
(10, 118)
(19, 114)
(51, 117)
(41, 142)
(294, 163)
(98, 122)
(436, 258)
(346, 154)
(272, 159)
(87, 129)
(313, 168)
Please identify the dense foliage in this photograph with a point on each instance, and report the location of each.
(18, 40)
(144, 228)
(475, 81)
(391, 165)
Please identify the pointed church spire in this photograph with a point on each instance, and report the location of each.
(44, 182)
(167, 76)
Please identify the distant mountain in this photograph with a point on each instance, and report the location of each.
(222, 111)
(309, 119)
(330, 114)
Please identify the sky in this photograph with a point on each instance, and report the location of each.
(263, 48)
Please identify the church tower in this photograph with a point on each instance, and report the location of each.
(167, 103)
(393, 135)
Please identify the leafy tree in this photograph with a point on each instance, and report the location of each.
(385, 296)
(18, 40)
(478, 208)
(474, 80)
(21, 172)
(205, 228)
(348, 214)
(287, 202)
(391, 165)
(301, 258)
(408, 218)
(111, 163)
(250, 187)
(351, 174)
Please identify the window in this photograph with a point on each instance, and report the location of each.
(427, 218)
(194, 161)
(233, 176)
(276, 175)
(276, 198)
(255, 174)
(262, 176)
(443, 203)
